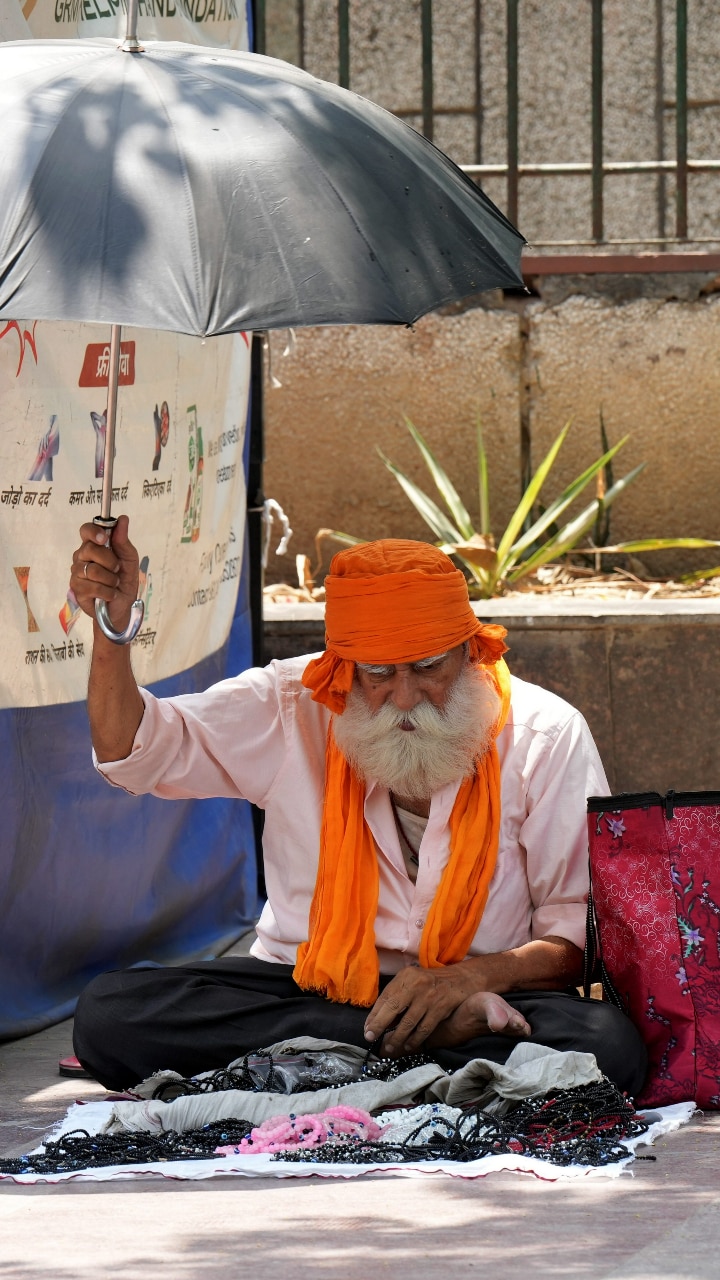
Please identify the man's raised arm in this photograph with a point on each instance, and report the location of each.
(110, 573)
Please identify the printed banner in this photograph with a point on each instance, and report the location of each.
(210, 22)
(90, 878)
(178, 474)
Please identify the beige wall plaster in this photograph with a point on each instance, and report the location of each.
(345, 390)
(653, 367)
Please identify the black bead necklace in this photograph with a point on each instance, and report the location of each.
(584, 1126)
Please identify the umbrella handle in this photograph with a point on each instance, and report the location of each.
(137, 609)
(137, 612)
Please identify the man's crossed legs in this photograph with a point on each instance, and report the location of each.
(130, 1023)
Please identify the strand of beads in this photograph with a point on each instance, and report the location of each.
(289, 1133)
(585, 1126)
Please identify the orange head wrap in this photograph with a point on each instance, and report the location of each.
(395, 602)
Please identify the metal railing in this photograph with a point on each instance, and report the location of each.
(597, 168)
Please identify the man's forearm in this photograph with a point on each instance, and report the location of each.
(115, 707)
(548, 964)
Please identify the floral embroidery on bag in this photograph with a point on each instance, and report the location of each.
(616, 827)
(663, 1066)
(692, 938)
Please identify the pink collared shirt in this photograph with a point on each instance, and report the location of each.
(260, 736)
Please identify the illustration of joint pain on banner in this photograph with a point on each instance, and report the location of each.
(178, 474)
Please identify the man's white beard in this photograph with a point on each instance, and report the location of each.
(443, 747)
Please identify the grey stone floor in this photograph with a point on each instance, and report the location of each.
(663, 1222)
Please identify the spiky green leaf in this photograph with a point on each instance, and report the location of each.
(660, 544)
(443, 484)
(527, 501)
(560, 504)
(430, 512)
(571, 533)
(483, 482)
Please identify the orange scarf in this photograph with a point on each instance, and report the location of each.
(380, 610)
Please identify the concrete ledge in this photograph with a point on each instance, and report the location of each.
(643, 673)
(533, 608)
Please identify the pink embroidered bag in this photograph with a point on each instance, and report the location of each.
(654, 932)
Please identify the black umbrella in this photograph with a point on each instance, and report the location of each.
(207, 191)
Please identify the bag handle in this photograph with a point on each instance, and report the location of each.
(590, 955)
(593, 964)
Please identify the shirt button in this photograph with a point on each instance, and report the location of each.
(419, 924)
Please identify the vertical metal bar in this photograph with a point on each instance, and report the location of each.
(478, 83)
(301, 33)
(255, 496)
(511, 50)
(344, 43)
(426, 14)
(661, 189)
(110, 421)
(131, 44)
(132, 20)
(259, 28)
(597, 120)
(255, 501)
(681, 140)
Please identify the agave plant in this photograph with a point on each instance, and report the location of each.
(530, 540)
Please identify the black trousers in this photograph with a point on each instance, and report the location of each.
(199, 1017)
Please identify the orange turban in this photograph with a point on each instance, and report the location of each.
(395, 601)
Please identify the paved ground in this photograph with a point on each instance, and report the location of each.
(663, 1222)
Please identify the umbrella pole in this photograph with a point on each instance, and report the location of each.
(131, 44)
(105, 520)
(110, 420)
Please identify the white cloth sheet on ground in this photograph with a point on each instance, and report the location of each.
(93, 1117)
(530, 1071)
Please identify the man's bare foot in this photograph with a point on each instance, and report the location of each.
(476, 1016)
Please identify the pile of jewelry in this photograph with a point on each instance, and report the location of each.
(581, 1126)
(80, 1150)
(292, 1133)
(290, 1073)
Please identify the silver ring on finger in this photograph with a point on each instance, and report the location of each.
(85, 569)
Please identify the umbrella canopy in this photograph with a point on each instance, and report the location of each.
(208, 191)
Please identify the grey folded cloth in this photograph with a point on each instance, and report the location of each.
(344, 1061)
(529, 1071)
(199, 1109)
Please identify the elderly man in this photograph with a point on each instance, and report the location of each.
(425, 842)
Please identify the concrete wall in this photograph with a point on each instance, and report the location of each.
(653, 368)
(344, 391)
(642, 348)
(650, 364)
